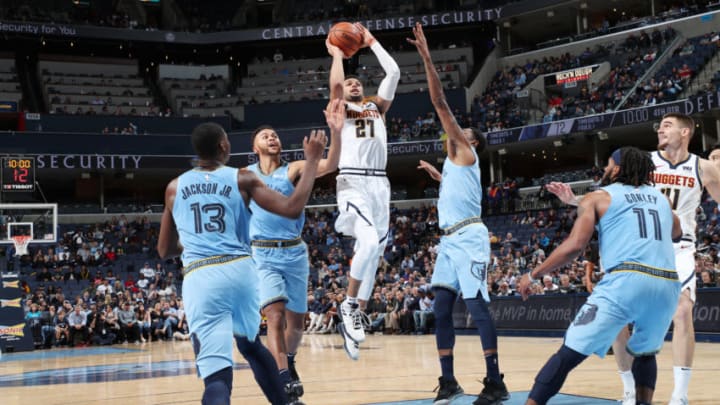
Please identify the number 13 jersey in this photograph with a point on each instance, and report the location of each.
(210, 214)
(681, 184)
(364, 137)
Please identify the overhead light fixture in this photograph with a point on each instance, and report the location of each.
(550, 14)
(557, 143)
(602, 135)
(502, 151)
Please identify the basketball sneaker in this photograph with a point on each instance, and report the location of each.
(293, 397)
(447, 390)
(628, 398)
(351, 347)
(353, 319)
(678, 401)
(493, 393)
(295, 382)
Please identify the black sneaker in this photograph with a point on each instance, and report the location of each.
(293, 397)
(447, 390)
(295, 382)
(493, 393)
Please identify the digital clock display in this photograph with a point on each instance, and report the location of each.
(18, 174)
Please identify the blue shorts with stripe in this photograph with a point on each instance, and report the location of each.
(283, 274)
(462, 260)
(221, 301)
(620, 298)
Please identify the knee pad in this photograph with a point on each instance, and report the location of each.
(218, 387)
(644, 369)
(552, 376)
(247, 347)
(444, 329)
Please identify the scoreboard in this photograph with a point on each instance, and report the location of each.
(18, 174)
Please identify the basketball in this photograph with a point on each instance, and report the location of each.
(347, 37)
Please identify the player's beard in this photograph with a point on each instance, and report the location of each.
(355, 99)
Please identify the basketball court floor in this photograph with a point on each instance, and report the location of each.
(391, 370)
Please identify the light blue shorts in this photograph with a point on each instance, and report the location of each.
(283, 274)
(621, 298)
(461, 265)
(221, 301)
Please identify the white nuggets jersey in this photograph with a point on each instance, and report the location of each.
(364, 138)
(681, 184)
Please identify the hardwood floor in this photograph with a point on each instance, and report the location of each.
(391, 368)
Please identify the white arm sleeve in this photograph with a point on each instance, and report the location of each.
(387, 87)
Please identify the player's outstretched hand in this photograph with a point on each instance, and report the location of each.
(333, 50)
(523, 287)
(368, 38)
(432, 171)
(420, 42)
(335, 115)
(562, 191)
(314, 145)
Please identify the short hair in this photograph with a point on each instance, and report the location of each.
(712, 149)
(206, 139)
(348, 77)
(258, 130)
(684, 120)
(636, 167)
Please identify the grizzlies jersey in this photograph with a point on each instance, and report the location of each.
(637, 228)
(681, 184)
(364, 138)
(210, 214)
(460, 193)
(266, 225)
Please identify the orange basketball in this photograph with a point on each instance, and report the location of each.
(347, 37)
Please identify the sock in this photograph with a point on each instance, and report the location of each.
(682, 380)
(285, 376)
(351, 300)
(218, 387)
(628, 380)
(264, 369)
(446, 367)
(291, 366)
(493, 369)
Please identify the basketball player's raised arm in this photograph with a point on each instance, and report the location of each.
(388, 85)
(335, 118)
(168, 239)
(579, 237)
(459, 148)
(291, 207)
(337, 73)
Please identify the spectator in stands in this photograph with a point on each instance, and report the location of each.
(62, 328)
(77, 321)
(129, 327)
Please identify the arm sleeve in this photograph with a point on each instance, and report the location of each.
(387, 87)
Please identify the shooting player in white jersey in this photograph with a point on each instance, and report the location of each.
(363, 190)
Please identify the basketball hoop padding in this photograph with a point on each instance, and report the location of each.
(21, 244)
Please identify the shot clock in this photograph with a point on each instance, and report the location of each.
(18, 174)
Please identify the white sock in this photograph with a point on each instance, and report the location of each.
(628, 380)
(351, 300)
(682, 381)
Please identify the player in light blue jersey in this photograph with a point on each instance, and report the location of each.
(464, 252)
(206, 220)
(636, 227)
(280, 255)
